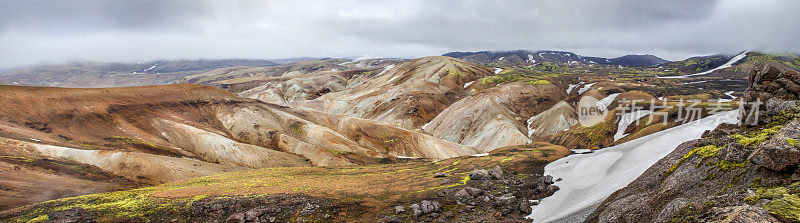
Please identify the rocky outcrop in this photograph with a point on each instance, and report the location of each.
(687, 186)
(781, 151)
(770, 82)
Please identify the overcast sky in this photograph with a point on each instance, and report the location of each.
(38, 31)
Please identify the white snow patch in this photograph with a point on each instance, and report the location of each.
(501, 58)
(585, 88)
(726, 65)
(582, 151)
(695, 82)
(468, 84)
(35, 139)
(154, 66)
(588, 179)
(407, 157)
(572, 86)
(605, 102)
(481, 154)
(392, 79)
(426, 125)
(386, 69)
(530, 59)
(626, 120)
(730, 94)
(497, 70)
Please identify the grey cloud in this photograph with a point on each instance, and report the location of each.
(34, 31)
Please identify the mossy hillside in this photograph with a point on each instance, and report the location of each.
(759, 59)
(377, 187)
(519, 74)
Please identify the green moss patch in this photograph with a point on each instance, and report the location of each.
(787, 207)
(757, 137)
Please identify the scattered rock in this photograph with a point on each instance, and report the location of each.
(391, 219)
(744, 213)
(779, 153)
(463, 194)
(506, 199)
(75, 214)
(552, 189)
(254, 213)
(474, 192)
(439, 175)
(430, 207)
(399, 209)
(525, 207)
(496, 172)
(479, 175)
(734, 152)
(235, 218)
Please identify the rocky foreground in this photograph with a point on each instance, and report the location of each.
(733, 174)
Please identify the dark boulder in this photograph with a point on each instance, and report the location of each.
(479, 175)
(734, 152)
(496, 172)
(780, 152)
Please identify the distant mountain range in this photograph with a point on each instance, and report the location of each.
(98, 74)
(530, 57)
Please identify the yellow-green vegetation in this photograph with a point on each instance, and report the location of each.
(787, 207)
(132, 141)
(337, 152)
(296, 126)
(41, 218)
(684, 158)
(538, 82)
(707, 151)
(597, 134)
(756, 137)
(130, 205)
(784, 202)
(519, 74)
(792, 141)
(704, 152)
(15, 158)
(761, 58)
(455, 73)
(730, 165)
(684, 214)
(694, 64)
